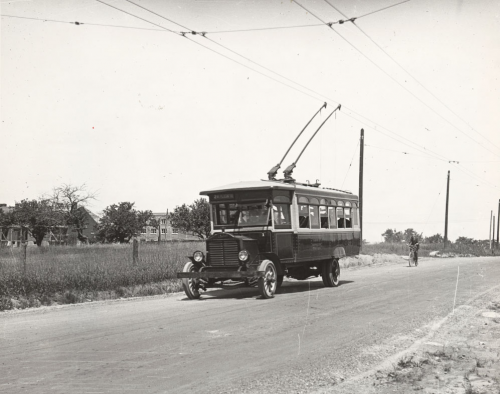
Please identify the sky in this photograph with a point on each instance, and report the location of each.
(143, 114)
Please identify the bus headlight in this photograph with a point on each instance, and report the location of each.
(198, 256)
(243, 255)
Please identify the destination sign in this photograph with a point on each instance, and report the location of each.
(225, 196)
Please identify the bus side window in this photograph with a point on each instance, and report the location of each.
(314, 215)
(347, 213)
(323, 214)
(332, 217)
(355, 221)
(340, 217)
(303, 216)
(281, 216)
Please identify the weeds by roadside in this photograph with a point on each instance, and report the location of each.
(70, 274)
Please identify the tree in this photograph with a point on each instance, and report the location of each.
(409, 232)
(71, 201)
(392, 236)
(192, 219)
(434, 239)
(120, 222)
(36, 216)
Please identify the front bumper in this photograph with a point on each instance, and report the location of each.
(221, 274)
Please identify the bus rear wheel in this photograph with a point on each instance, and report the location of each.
(269, 282)
(331, 273)
(191, 285)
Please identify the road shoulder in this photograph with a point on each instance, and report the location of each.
(460, 354)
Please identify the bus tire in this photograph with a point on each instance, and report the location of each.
(279, 281)
(190, 285)
(331, 273)
(269, 282)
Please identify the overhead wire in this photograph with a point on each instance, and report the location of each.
(381, 9)
(390, 76)
(353, 20)
(424, 151)
(204, 46)
(350, 164)
(263, 29)
(79, 23)
(419, 147)
(138, 17)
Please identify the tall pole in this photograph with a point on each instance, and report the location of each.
(493, 232)
(446, 214)
(361, 156)
(491, 219)
(498, 224)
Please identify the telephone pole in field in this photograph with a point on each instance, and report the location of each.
(498, 224)
(446, 214)
(361, 154)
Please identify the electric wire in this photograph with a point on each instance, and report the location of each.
(391, 77)
(354, 154)
(80, 23)
(161, 16)
(425, 150)
(420, 148)
(263, 28)
(408, 73)
(406, 153)
(381, 9)
(138, 17)
(204, 46)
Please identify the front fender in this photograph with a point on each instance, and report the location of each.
(276, 261)
(339, 252)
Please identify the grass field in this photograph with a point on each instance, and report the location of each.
(73, 274)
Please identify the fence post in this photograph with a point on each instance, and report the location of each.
(135, 251)
(24, 246)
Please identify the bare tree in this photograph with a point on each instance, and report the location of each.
(71, 201)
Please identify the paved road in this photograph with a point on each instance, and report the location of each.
(306, 338)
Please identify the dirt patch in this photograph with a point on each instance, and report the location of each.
(461, 356)
(364, 260)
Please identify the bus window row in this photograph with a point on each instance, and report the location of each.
(315, 217)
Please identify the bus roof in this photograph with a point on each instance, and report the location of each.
(264, 184)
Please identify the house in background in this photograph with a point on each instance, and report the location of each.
(165, 231)
(58, 235)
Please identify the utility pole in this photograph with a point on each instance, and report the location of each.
(493, 232)
(498, 224)
(361, 156)
(446, 214)
(491, 219)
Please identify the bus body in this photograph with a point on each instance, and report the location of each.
(265, 230)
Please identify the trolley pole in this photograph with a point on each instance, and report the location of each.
(446, 213)
(361, 159)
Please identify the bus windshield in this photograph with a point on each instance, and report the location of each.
(253, 215)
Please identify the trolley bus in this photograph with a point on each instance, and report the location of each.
(265, 230)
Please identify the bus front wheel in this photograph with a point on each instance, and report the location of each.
(190, 285)
(331, 273)
(268, 283)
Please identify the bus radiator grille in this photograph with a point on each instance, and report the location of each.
(223, 252)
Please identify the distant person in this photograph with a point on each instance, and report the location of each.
(414, 243)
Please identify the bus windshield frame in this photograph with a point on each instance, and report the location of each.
(248, 214)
